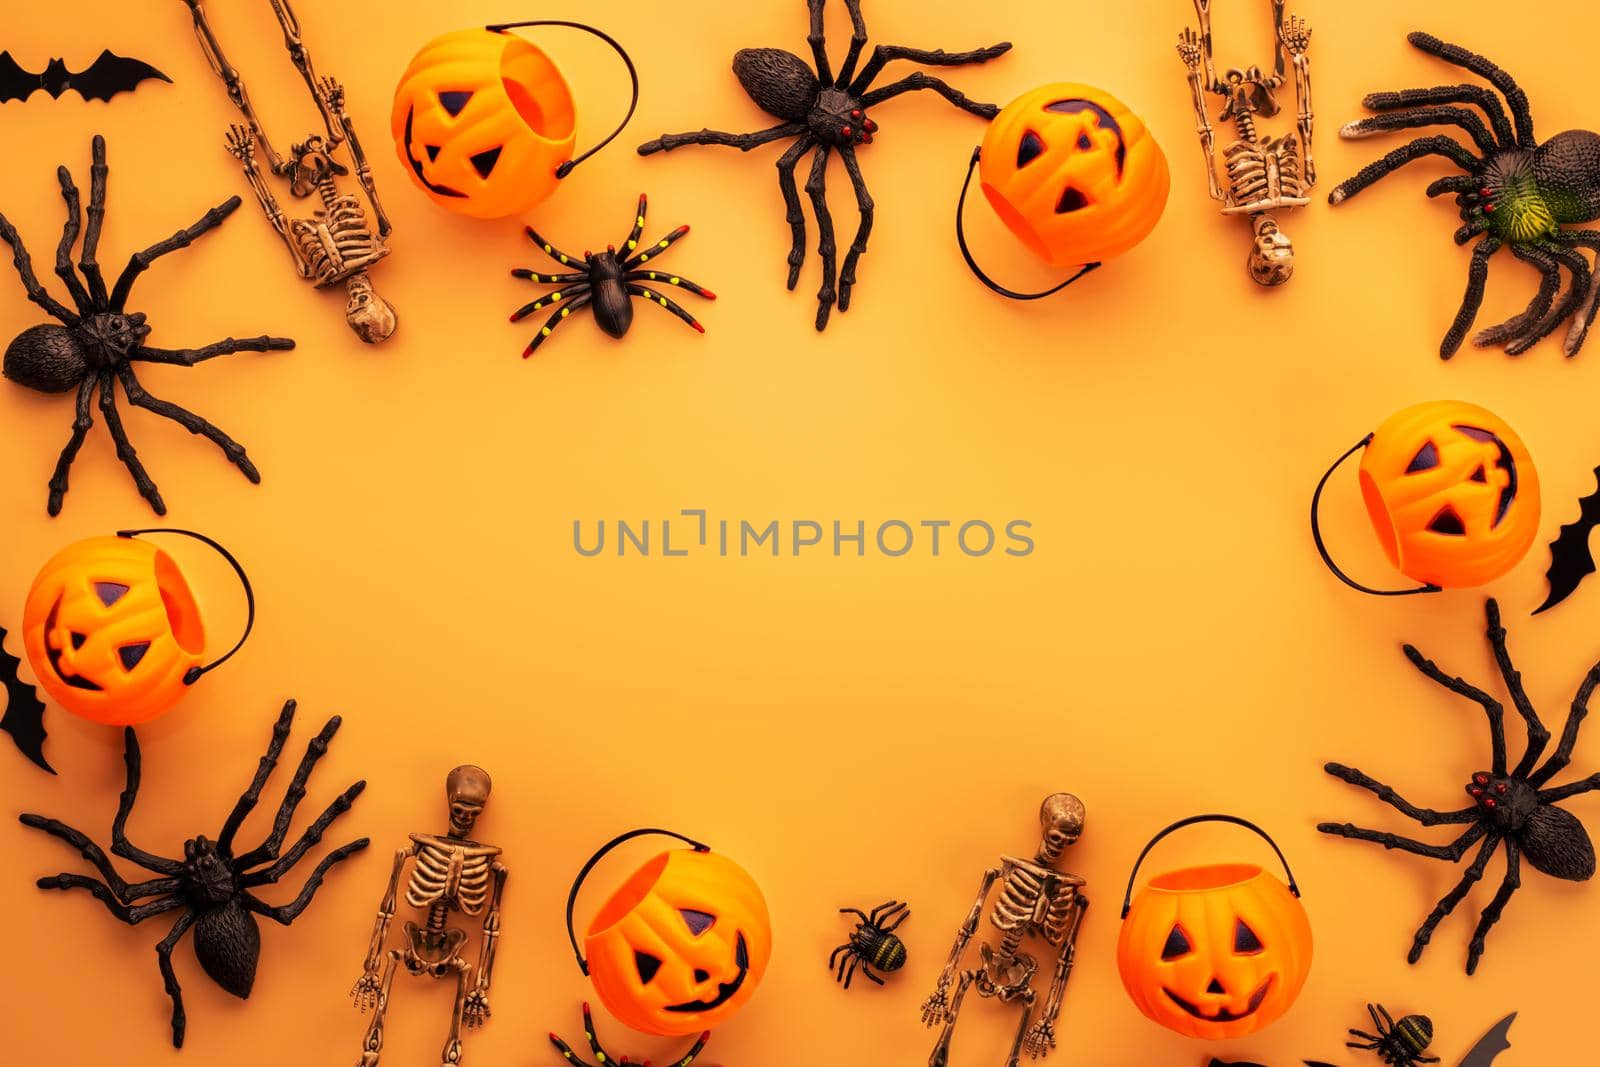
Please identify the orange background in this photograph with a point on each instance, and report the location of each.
(848, 729)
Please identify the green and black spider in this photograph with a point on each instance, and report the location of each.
(1517, 194)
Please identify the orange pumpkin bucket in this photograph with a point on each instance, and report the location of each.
(486, 124)
(1214, 952)
(681, 945)
(113, 631)
(1452, 494)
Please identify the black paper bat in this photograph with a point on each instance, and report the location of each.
(24, 717)
(1570, 559)
(107, 76)
(1496, 1041)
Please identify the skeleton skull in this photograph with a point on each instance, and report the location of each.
(368, 314)
(1272, 254)
(1061, 819)
(467, 789)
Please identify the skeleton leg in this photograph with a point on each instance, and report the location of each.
(744, 142)
(918, 80)
(1549, 283)
(188, 357)
(941, 1051)
(847, 276)
(884, 54)
(69, 237)
(1447, 94)
(140, 262)
(1480, 66)
(81, 425)
(794, 215)
(315, 750)
(452, 1044)
(288, 913)
(656, 298)
(88, 264)
(1491, 914)
(125, 450)
(1416, 118)
(1452, 898)
(1569, 734)
(1438, 145)
(372, 1043)
(232, 449)
(1564, 307)
(30, 281)
(1451, 852)
(817, 187)
(169, 979)
(1023, 1027)
(308, 840)
(552, 322)
(1425, 816)
(1491, 706)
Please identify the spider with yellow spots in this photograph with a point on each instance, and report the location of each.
(609, 280)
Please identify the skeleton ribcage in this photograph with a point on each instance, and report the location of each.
(338, 242)
(1264, 174)
(457, 874)
(1032, 900)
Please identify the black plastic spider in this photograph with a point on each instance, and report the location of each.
(211, 886)
(603, 1058)
(1400, 1044)
(825, 113)
(872, 944)
(1510, 808)
(608, 281)
(1517, 194)
(98, 344)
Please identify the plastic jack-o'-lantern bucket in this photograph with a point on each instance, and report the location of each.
(113, 631)
(1073, 174)
(1452, 494)
(485, 123)
(681, 945)
(1214, 952)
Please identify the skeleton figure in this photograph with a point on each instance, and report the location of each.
(1037, 900)
(450, 873)
(335, 245)
(1265, 174)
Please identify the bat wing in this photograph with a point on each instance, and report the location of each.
(1496, 1041)
(1570, 559)
(15, 82)
(24, 717)
(111, 74)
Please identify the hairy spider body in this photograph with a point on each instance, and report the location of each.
(1516, 193)
(823, 114)
(608, 281)
(212, 885)
(872, 944)
(96, 345)
(1511, 807)
(1400, 1044)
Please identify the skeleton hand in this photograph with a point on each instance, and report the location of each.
(1041, 1039)
(937, 1007)
(476, 1010)
(1295, 35)
(365, 992)
(333, 92)
(242, 144)
(1189, 48)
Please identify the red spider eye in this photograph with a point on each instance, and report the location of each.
(1481, 779)
(1501, 788)
(1475, 791)
(1490, 802)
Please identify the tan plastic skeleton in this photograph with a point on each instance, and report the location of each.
(450, 873)
(1265, 174)
(335, 245)
(1037, 900)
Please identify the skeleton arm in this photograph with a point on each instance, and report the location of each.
(231, 79)
(1192, 49)
(491, 930)
(241, 143)
(1069, 952)
(968, 928)
(386, 909)
(1295, 38)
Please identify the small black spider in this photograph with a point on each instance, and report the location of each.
(211, 886)
(872, 944)
(1512, 808)
(608, 281)
(99, 343)
(1400, 1044)
(826, 114)
(603, 1058)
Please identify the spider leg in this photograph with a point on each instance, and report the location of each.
(833, 960)
(308, 840)
(918, 80)
(639, 259)
(120, 845)
(1455, 183)
(140, 262)
(858, 41)
(1482, 67)
(1471, 229)
(552, 251)
(1477, 276)
(188, 357)
(905, 913)
(676, 280)
(288, 913)
(884, 54)
(125, 450)
(794, 215)
(315, 750)
(169, 979)
(880, 911)
(81, 425)
(30, 281)
(1447, 905)
(847, 276)
(93, 854)
(1447, 94)
(656, 298)
(1452, 852)
(69, 237)
(1415, 118)
(744, 142)
(1438, 145)
(1569, 734)
(1497, 906)
(818, 41)
(817, 187)
(1564, 307)
(132, 914)
(1381, 1016)
(547, 279)
(1538, 736)
(1571, 789)
(553, 321)
(850, 973)
(866, 969)
(232, 449)
(843, 962)
(1387, 794)
(1369, 1041)
(632, 243)
(252, 794)
(87, 261)
(694, 1051)
(1586, 314)
(1549, 283)
(549, 298)
(1462, 687)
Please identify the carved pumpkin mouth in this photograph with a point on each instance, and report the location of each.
(54, 654)
(1223, 1015)
(726, 991)
(416, 164)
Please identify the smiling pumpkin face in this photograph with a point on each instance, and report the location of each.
(1215, 952)
(681, 946)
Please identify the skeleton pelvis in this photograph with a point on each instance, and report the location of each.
(1006, 977)
(432, 951)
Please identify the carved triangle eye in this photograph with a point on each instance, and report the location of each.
(698, 922)
(110, 592)
(1071, 200)
(1426, 459)
(130, 655)
(1177, 945)
(1245, 941)
(647, 966)
(1031, 148)
(484, 162)
(1448, 522)
(454, 102)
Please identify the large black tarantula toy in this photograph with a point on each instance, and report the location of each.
(211, 886)
(1517, 194)
(1512, 808)
(825, 113)
(96, 346)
